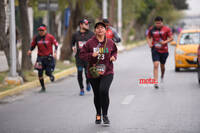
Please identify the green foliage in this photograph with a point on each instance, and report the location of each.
(91, 9)
(142, 13)
(165, 9)
(132, 9)
(62, 5)
(37, 13)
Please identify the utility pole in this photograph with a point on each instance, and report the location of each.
(13, 76)
(119, 12)
(120, 17)
(48, 16)
(13, 69)
(105, 8)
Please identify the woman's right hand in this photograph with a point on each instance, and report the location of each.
(29, 52)
(150, 45)
(95, 54)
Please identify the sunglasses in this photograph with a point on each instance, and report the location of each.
(158, 22)
(41, 30)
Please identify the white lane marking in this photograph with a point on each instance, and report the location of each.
(127, 100)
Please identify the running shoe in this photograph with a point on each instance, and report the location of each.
(52, 78)
(82, 93)
(98, 119)
(88, 87)
(42, 90)
(106, 121)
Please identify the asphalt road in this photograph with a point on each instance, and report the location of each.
(134, 108)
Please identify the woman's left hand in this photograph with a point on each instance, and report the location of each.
(163, 42)
(112, 58)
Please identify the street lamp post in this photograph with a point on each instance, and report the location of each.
(120, 17)
(13, 77)
(105, 9)
(48, 16)
(13, 69)
(119, 12)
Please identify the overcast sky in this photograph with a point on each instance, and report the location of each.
(194, 7)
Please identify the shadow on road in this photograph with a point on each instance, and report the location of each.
(187, 70)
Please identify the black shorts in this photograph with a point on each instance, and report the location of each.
(161, 57)
(47, 63)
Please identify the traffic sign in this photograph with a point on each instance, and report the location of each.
(51, 5)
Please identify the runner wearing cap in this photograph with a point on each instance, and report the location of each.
(45, 58)
(78, 41)
(111, 32)
(100, 52)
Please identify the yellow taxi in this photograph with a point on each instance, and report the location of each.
(186, 49)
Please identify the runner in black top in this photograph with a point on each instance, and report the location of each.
(78, 40)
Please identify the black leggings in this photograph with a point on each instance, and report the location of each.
(80, 76)
(100, 88)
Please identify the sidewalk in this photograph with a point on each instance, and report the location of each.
(4, 63)
(62, 74)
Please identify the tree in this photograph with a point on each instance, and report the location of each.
(139, 15)
(76, 14)
(4, 43)
(132, 11)
(79, 9)
(180, 4)
(2, 24)
(25, 34)
(53, 26)
(112, 11)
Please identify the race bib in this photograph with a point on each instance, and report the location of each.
(81, 44)
(158, 45)
(101, 56)
(96, 50)
(101, 68)
(38, 65)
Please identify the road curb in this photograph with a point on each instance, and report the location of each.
(36, 83)
(59, 75)
(130, 47)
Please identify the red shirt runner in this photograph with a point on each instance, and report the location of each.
(109, 33)
(44, 44)
(160, 35)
